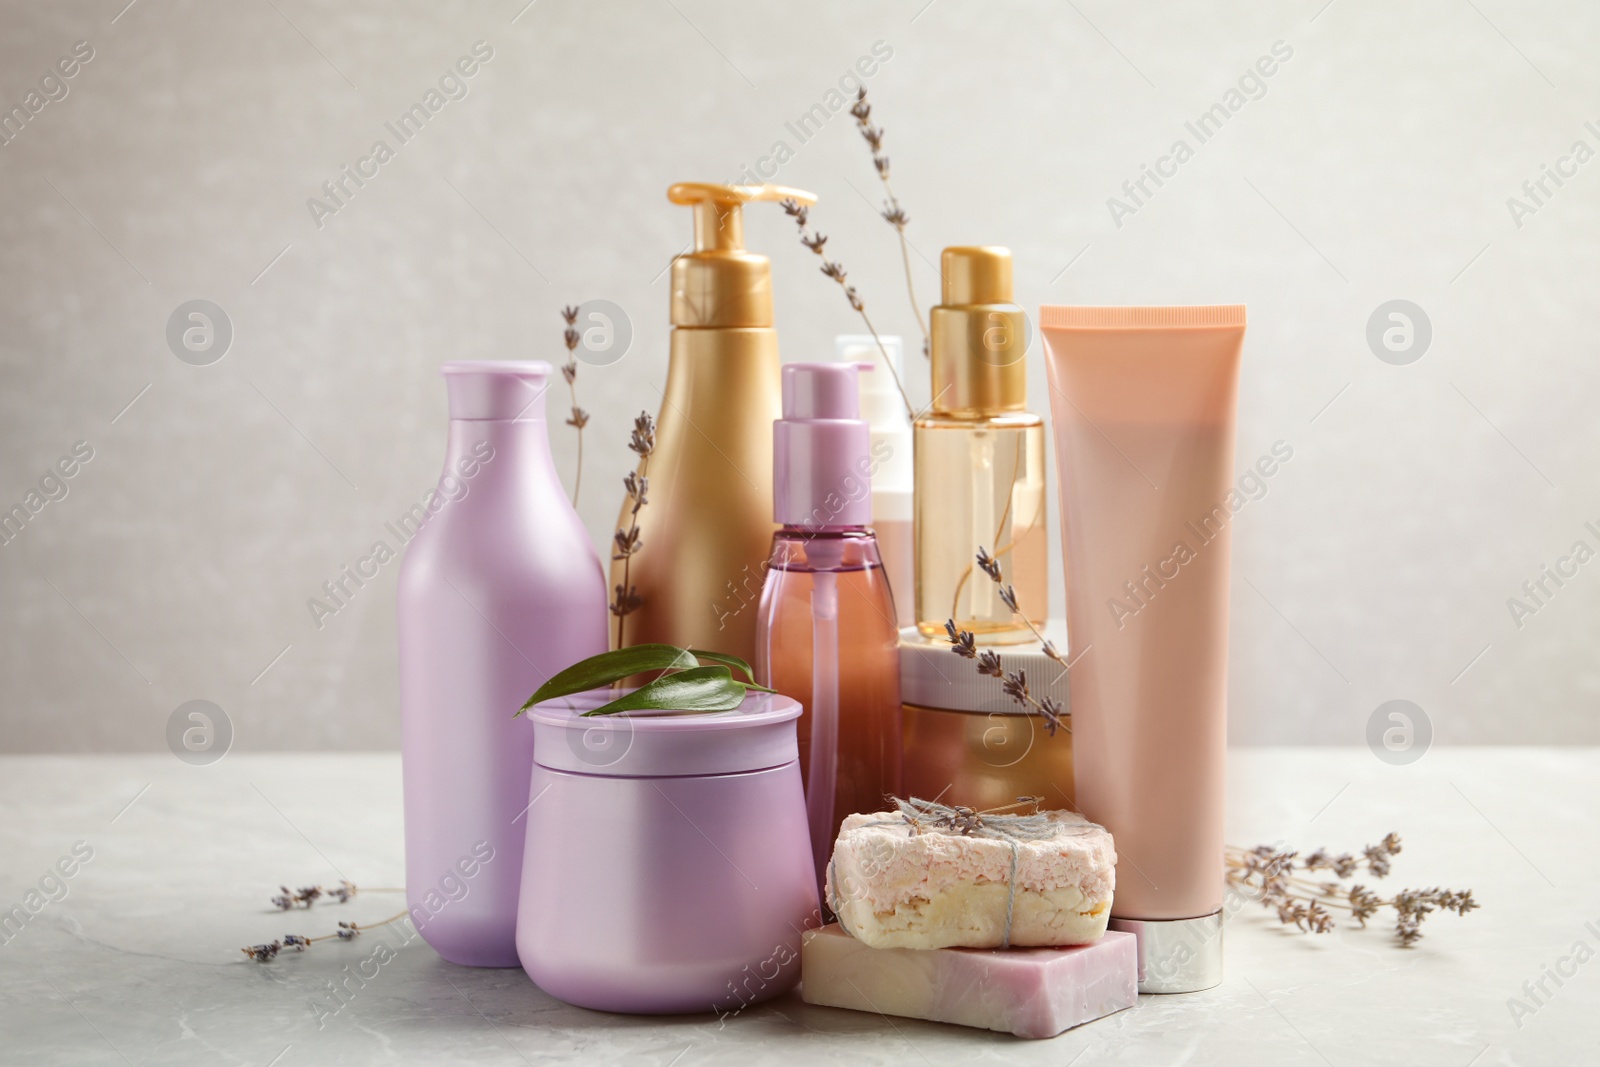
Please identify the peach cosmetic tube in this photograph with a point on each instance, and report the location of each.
(1144, 402)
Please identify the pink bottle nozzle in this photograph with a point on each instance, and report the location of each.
(496, 390)
(822, 448)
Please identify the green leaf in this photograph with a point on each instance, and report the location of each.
(730, 661)
(696, 689)
(598, 671)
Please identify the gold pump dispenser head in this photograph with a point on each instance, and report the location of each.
(719, 284)
(978, 337)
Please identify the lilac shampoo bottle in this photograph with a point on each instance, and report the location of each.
(499, 589)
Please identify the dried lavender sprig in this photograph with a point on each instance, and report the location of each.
(832, 269)
(626, 543)
(569, 370)
(1376, 858)
(921, 815)
(892, 212)
(1008, 596)
(347, 932)
(1267, 873)
(1414, 905)
(305, 896)
(1013, 683)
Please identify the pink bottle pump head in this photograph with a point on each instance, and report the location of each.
(822, 448)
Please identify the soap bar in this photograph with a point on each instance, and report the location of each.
(896, 884)
(1030, 992)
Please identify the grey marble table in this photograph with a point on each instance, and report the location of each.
(139, 961)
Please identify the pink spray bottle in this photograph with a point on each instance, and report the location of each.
(500, 588)
(826, 634)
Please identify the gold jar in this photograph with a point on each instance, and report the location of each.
(966, 742)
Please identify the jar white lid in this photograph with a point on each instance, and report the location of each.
(932, 676)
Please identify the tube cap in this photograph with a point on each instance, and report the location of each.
(1177, 955)
(821, 448)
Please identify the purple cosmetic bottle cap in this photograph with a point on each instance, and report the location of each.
(497, 390)
(756, 735)
(822, 448)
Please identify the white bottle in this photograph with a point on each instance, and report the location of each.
(883, 408)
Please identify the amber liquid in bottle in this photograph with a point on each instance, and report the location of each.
(826, 637)
(980, 482)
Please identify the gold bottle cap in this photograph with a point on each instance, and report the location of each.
(978, 336)
(719, 284)
(976, 275)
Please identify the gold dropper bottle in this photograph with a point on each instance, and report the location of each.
(706, 531)
(979, 456)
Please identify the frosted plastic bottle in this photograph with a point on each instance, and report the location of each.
(885, 413)
(499, 589)
(826, 633)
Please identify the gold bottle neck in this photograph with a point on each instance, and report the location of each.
(977, 353)
(977, 337)
(730, 288)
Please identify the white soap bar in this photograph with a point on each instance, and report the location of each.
(893, 885)
(1030, 992)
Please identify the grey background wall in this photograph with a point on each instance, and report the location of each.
(1374, 164)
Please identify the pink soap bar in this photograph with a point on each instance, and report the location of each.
(1030, 992)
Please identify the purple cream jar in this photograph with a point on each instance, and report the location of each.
(668, 863)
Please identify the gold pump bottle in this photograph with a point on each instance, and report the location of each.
(706, 531)
(979, 458)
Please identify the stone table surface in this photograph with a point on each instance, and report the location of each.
(139, 961)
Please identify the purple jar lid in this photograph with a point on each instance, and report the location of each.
(758, 734)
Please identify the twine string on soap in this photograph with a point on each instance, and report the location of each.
(995, 824)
